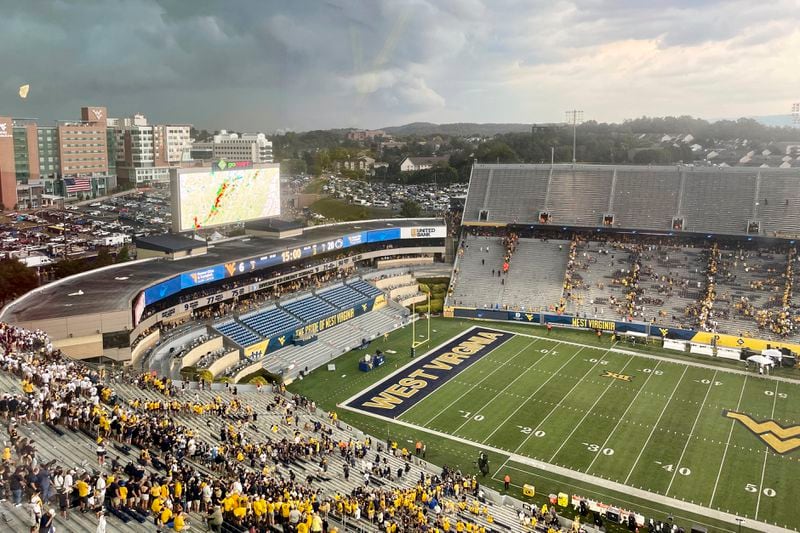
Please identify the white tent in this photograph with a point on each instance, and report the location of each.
(761, 360)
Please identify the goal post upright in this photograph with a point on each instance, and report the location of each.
(414, 342)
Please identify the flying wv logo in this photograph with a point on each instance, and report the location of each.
(780, 439)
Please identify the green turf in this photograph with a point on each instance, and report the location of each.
(663, 431)
(344, 211)
(315, 186)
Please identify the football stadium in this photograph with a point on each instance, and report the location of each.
(575, 347)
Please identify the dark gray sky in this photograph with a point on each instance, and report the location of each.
(299, 64)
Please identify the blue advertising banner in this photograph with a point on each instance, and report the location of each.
(673, 333)
(397, 393)
(162, 290)
(496, 314)
(378, 235)
(200, 277)
(354, 239)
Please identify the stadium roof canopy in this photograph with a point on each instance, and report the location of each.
(113, 288)
(168, 242)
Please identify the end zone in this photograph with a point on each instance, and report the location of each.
(398, 392)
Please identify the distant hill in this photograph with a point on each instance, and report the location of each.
(774, 120)
(459, 129)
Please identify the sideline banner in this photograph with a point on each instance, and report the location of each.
(394, 395)
(617, 326)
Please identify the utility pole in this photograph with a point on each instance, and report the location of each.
(575, 116)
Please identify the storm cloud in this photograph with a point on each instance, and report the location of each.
(264, 65)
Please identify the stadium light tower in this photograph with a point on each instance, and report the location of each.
(574, 117)
(796, 115)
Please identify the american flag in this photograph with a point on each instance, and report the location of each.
(77, 184)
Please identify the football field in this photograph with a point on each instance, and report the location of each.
(720, 439)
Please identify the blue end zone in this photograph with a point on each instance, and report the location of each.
(397, 393)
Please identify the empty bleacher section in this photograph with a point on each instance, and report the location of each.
(402, 287)
(237, 332)
(533, 281)
(269, 321)
(475, 282)
(634, 193)
(309, 308)
(478, 185)
(365, 288)
(710, 199)
(778, 203)
(579, 196)
(718, 201)
(503, 201)
(342, 296)
(534, 277)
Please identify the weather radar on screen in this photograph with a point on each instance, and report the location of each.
(217, 197)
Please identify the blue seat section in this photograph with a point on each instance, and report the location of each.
(237, 333)
(270, 321)
(310, 308)
(365, 288)
(343, 296)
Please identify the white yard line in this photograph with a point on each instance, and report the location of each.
(582, 477)
(522, 404)
(649, 437)
(502, 466)
(766, 455)
(553, 410)
(588, 411)
(621, 418)
(727, 445)
(691, 433)
(487, 376)
(484, 406)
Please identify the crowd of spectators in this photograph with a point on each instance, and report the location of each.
(243, 478)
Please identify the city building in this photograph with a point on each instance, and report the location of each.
(411, 164)
(82, 147)
(235, 147)
(363, 163)
(79, 159)
(366, 135)
(144, 153)
(8, 175)
(177, 143)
